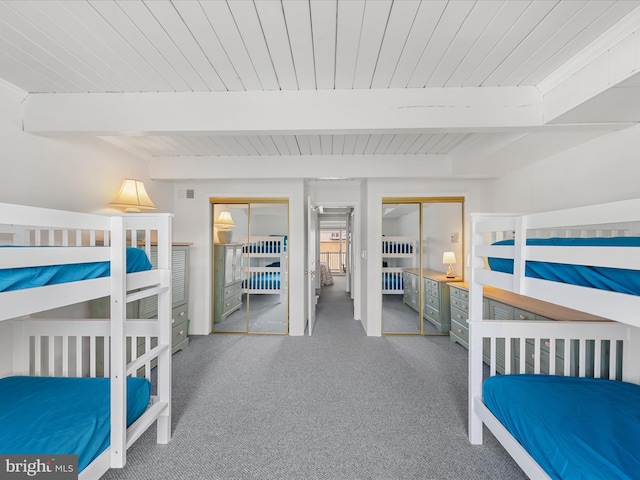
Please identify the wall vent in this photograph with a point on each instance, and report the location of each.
(191, 193)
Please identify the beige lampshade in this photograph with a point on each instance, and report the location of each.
(224, 221)
(449, 257)
(133, 197)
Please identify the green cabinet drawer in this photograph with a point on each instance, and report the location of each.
(179, 333)
(232, 289)
(460, 332)
(231, 304)
(431, 301)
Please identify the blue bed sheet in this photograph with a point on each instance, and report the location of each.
(263, 281)
(28, 277)
(575, 428)
(392, 282)
(52, 415)
(603, 278)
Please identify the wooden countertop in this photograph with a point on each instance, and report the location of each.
(539, 307)
(439, 276)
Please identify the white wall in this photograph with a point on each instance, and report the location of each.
(603, 170)
(193, 223)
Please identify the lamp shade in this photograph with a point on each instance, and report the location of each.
(449, 257)
(224, 221)
(132, 196)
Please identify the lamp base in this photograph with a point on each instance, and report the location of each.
(224, 236)
(450, 273)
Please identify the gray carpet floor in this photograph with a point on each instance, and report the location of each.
(337, 405)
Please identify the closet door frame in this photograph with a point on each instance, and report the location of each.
(420, 201)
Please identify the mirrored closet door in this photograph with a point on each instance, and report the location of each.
(422, 251)
(250, 267)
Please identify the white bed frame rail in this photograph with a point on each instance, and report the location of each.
(270, 249)
(622, 308)
(396, 248)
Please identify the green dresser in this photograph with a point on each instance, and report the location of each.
(435, 296)
(502, 305)
(227, 280)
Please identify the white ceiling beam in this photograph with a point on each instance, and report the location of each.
(611, 60)
(300, 166)
(285, 112)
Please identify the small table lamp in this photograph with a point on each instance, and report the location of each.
(224, 224)
(132, 197)
(450, 258)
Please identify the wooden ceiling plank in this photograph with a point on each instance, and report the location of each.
(269, 144)
(598, 20)
(323, 28)
(422, 29)
(78, 39)
(458, 140)
(531, 17)
(224, 25)
(274, 28)
(349, 144)
(401, 19)
(419, 143)
(326, 144)
(314, 144)
(361, 144)
(16, 72)
(372, 144)
(246, 18)
(474, 26)
(216, 147)
(374, 27)
(450, 23)
(205, 36)
(303, 144)
(407, 143)
(298, 19)
(123, 61)
(395, 143)
(257, 143)
(533, 51)
(292, 144)
(350, 17)
(338, 144)
(167, 16)
(152, 29)
(281, 144)
(504, 18)
(246, 145)
(146, 51)
(44, 50)
(30, 71)
(384, 143)
(429, 145)
(231, 144)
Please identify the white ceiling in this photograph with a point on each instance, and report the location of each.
(235, 46)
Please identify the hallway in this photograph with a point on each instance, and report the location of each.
(334, 312)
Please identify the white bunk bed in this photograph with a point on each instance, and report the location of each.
(264, 267)
(397, 253)
(41, 239)
(579, 436)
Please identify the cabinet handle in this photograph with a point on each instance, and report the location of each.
(522, 317)
(547, 343)
(181, 332)
(455, 303)
(173, 320)
(228, 304)
(459, 330)
(459, 316)
(182, 314)
(533, 355)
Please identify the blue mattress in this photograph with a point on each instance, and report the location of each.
(28, 277)
(263, 281)
(575, 428)
(51, 415)
(603, 278)
(392, 282)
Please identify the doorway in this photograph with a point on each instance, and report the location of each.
(422, 252)
(250, 265)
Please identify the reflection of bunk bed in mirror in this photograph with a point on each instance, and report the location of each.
(264, 268)
(57, 259)
(398, 253)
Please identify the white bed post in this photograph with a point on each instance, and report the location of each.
(118, 365)
(164, 319)
(475, 339)
(631, 357)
